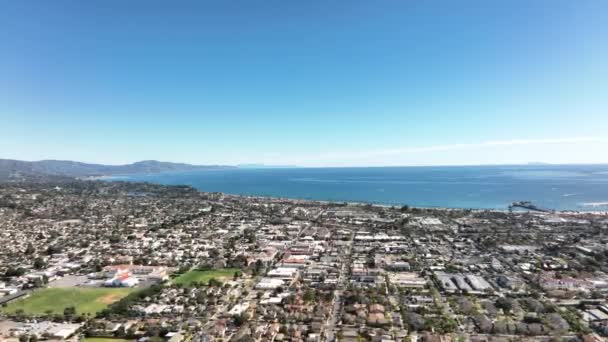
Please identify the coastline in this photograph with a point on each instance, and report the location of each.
(581, 189)
(362, 204)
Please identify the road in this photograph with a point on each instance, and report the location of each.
(343, 278)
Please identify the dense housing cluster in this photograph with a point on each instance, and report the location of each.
(159, 263)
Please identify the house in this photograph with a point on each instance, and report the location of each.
(174, 337)
(283, 273)
(399, 266)
(7, 291)
(154, 273)
(269, 284)
(511, 283)
(478, 283)
(239, 309)
(596, 315)
(407, 279)
(294, 262)
(566, 283)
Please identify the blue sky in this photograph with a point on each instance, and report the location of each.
(316, 83)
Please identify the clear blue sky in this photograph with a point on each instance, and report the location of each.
(305, 82)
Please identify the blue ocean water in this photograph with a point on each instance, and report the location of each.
(559, 187)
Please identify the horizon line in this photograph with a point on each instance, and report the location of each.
(278, 166)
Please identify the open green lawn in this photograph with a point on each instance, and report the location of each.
(221, 274)
(85, 300)
(104, 339)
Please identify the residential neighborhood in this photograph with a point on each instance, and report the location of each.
(87, 260)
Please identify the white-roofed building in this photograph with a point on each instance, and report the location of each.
(239, 309)
(284, 273)
(269, 283)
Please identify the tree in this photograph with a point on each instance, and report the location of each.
(38, 282)
(249, 235)
(240, 319)
(414, 321)
(53, 250)
(213, 253)
(309, 296)
(120, 332)
(39, 263)
(183, 269)
(257, 267)
(214, 282)
(14, 272)
(69, 313)
(504, 304)
(30, 249)
(370, 262)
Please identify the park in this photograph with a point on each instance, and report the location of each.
(56, 300)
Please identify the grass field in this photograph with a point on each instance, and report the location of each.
(186, 279)
(85, 300)
(104, 339)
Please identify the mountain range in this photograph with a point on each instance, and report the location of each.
(17, 170)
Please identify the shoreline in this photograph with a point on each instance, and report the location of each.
(358, 203)
(388, 206)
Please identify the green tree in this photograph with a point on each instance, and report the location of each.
(214, 282)
(120, 332)
(39, 263)
(69, 313)
(504, 304)
(30, 249)
(309, 296)
(14, 272)
(240, 319)
(258, 266)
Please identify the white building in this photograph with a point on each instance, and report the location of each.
(122, 280)
(269, 284)
(284, 273)
(239, 309)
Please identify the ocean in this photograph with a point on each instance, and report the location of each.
(558, 187)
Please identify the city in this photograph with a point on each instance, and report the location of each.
(137, 261)
(304, 171)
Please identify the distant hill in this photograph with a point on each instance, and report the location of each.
(16, 170)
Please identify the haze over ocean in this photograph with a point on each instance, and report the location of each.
(560, 187)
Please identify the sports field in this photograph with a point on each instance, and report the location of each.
(55, 300)
(221, 274)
